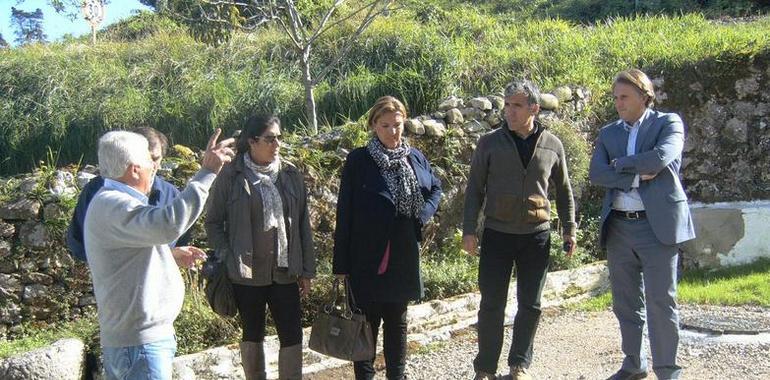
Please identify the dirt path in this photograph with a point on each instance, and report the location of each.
(576, 345)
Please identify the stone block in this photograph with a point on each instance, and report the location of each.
(10, 314)
(20, 209)
(34, 292)
(34, 235)
(37, 278)
(8, 265)
(451, 102)
(10, 287)
(563, 93)
(6, 230)
(52, 211)
(498, 102)
(548, 102)
(83, 178)
(747, 87)
(736, 131)
(494, 118)
(434, 128)
(5, 249)
(28, 184)
(475, 126)
(62, 184)
(472, 113)
(86, 300)
(414, 126)
(63, 360)
(454, 116)
(481, 103)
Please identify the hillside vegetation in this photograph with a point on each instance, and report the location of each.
(149, 70)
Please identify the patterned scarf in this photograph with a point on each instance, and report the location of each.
(264, 178)
(398, 175)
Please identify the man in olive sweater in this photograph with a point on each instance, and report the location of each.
(137, 283)
(511, 169)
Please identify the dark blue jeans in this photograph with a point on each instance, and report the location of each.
(499, 253)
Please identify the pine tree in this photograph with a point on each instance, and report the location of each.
(28, 25)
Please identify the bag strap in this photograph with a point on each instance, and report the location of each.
(350, 300)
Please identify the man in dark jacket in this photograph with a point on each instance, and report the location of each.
(162, 193)
(511, 169)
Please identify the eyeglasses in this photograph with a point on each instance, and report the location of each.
(268, 139)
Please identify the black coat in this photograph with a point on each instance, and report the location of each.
(366, 221)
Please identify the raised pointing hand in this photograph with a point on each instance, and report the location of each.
(218, 153)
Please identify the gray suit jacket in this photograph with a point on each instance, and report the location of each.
(658, 151)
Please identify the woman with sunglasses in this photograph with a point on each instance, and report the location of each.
(387, 193)
(258, 223)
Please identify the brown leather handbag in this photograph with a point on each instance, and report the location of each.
(341, 330)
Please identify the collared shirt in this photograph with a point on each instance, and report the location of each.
(120, 186)
(631, 200)
(526, 145)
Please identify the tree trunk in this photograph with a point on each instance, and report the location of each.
(307, 81)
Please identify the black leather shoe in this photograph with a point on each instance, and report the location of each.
(625, 375)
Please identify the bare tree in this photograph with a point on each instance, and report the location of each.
(213, 21)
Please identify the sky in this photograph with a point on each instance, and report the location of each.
(56, 25)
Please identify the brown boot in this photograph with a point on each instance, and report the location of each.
(290, 363)
(253, 360)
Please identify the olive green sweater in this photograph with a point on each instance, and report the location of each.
(517, 197)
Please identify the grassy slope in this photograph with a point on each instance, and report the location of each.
(63, 95)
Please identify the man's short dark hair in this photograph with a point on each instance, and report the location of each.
(523, 86)
(154, 137)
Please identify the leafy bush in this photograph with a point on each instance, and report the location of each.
(198, 327)
(451, 271)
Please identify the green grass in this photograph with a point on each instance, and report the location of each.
(741, 285)
(734, 286)
(63, 95)
(86, 329)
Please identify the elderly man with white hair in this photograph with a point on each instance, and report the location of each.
(137, 284)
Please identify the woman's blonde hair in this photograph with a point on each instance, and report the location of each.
(382, 106)
(639, 80)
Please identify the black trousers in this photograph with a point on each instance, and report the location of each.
(499, 252)
(284, 303)
(393, 318)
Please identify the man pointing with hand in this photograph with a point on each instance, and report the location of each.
(137, 284)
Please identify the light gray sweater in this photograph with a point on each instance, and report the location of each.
(137, 284)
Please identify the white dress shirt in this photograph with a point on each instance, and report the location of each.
(631, 200)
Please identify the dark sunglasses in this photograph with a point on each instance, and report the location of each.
(268, 139)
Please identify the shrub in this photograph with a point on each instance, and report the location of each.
(450, 271)
(198, 327)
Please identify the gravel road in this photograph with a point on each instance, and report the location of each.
(578, 345)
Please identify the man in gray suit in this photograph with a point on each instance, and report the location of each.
(645, 217)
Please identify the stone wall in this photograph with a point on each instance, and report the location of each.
(725, 104)
(39, 280)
